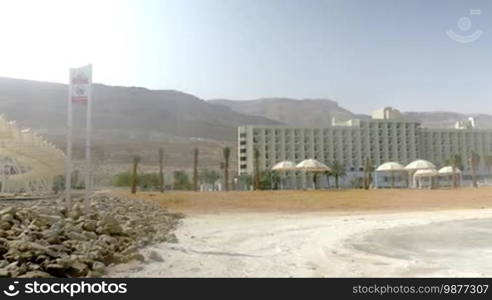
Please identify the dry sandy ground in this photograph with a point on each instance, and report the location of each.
(387, 233)
(372, 201)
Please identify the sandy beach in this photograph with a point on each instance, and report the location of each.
(451, 239)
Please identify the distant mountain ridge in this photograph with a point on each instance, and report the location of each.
(319, 113)
(448, 119)
(133, 120)
(305, 113)
(121, 112)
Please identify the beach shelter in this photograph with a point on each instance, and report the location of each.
(446, 174)
(395, 171)
(312, 166)
(284, 167)
(419, 164)
(424, 178)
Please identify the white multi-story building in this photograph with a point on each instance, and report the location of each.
(438, 145)
(386, 137)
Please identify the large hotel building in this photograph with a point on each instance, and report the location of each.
(385, 137)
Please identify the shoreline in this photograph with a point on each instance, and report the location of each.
(319, 244)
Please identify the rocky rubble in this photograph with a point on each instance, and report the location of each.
(42, 239)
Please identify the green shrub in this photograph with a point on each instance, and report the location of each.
(123, 179)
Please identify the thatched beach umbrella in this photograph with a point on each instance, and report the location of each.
(284, 166)
(313, 166)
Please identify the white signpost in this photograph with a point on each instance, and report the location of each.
(80, 92)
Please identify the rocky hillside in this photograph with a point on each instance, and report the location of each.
(121, 113)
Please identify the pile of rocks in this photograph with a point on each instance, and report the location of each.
(42, 239)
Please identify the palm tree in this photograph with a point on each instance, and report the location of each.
(455, 162)
(474, 162)
(227, 153)
(256, 156)
(328, 174)
(368, 174)
(195, 169)
(161, 172)
(338, 170)
(136, 160)
(488, 163)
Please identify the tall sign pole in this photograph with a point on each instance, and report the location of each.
(68, 162)
(80, 91)
(88, 177)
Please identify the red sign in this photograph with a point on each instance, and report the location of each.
(80, 81)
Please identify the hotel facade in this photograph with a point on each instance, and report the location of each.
(385, 137)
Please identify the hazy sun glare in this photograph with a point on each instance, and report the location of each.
(41, 39)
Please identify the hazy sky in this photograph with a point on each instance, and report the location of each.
(363, 54)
